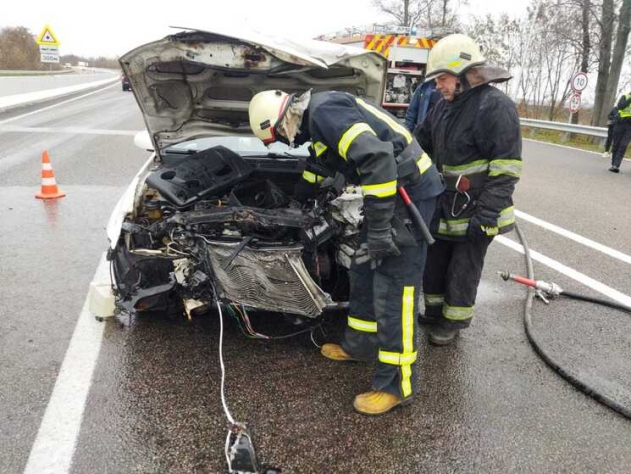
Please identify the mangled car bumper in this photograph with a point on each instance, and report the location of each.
(227, 229)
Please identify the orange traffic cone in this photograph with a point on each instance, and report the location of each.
(49, 185)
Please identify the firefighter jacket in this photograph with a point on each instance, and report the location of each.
(366, 144)
(476, 136)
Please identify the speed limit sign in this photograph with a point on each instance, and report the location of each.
(579, 81)
(575, 102)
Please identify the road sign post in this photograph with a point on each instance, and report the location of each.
(48, 46)
(575, 102)
(579, 82)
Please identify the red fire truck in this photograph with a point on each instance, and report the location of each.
(407, 51)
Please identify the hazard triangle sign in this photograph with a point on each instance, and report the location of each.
(47, 37)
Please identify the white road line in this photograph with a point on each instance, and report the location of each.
(17, 117)
(571, 148)
(623, 257)
(71, 130)
(567, 271)
(56, 439)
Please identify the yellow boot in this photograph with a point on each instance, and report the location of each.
(335, 352)
(377, 403)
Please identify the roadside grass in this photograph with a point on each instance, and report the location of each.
(583, 142)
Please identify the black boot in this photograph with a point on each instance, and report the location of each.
(427, 320)
(443, 336)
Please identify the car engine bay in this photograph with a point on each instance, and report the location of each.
(215, 225)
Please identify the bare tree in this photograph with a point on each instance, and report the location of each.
(499, 39)
(585, 43)
(19, 50)
(405, 12)
(599, 114)
(424, 13)
(543, 49)
(622, 36)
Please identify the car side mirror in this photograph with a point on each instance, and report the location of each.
(143, 141)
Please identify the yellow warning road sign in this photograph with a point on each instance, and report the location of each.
(47, 37)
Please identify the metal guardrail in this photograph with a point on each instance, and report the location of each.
(35, 73)
(600, 132)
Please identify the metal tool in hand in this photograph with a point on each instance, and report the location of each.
(462, 186)
(416, 216)
(362, 256)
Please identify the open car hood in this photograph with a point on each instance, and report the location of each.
(199, 83)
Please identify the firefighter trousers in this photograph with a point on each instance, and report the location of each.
(382, 308)
(451, 279)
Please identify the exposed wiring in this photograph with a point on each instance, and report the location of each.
(227, 450)
(248, 324)
(223, 387)
(249, 331)
(313, 340)
(179, 252)
(223, 367)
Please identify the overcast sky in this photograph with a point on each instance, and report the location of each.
(113, 27)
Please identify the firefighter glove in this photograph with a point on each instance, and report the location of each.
(380, 243)
(483, 223)
(305, 191)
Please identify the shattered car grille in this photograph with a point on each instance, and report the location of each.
(273, 279)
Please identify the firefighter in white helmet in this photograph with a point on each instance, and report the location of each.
(473, 137)
(371, 149)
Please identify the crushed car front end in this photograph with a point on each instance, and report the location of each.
(213, 215)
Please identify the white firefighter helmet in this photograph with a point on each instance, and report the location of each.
(266, 110)
(453, 54)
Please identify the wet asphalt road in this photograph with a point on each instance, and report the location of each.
(487, 404)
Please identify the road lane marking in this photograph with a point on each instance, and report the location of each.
(71, 130)
(56, 439)
(623, 257)
(567, 271)
(571, 148)
(17, 117)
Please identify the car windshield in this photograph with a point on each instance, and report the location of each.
(244, 146)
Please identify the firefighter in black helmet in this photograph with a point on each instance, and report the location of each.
(371, 149)
(473, 137)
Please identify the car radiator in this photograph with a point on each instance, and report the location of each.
(273, 279)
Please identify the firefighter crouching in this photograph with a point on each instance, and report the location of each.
(474, 139)
(371, 149)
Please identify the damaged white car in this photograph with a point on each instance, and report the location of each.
(212, 215)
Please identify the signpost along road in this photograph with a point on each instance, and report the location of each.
(578, 83)
(48, 45)
(575, 102)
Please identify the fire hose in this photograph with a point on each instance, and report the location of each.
(546, 291)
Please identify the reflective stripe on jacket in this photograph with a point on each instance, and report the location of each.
(362, 140)
(477, 136)
(624, 106)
